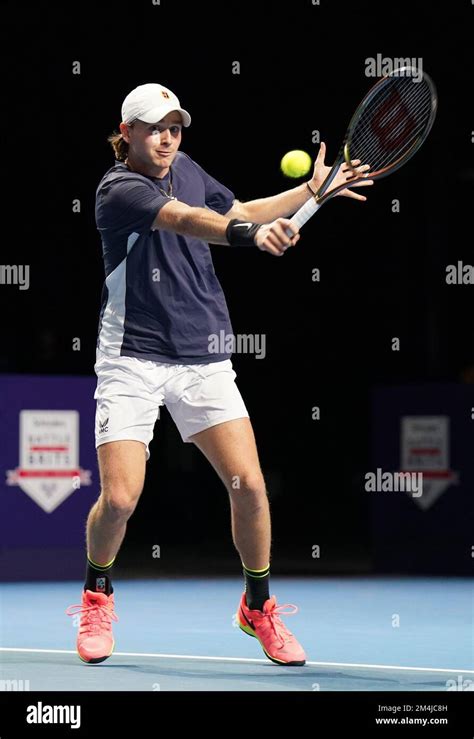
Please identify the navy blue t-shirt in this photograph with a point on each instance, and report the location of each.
(161, 298)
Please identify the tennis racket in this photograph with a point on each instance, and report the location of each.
(388, 127)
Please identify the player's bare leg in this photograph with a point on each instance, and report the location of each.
(230, 448)
(122, 474)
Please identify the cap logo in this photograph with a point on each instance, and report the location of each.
(165, 94)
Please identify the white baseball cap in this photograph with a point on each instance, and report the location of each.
(150, 103)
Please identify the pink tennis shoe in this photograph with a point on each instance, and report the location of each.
(95, 641)
(277, 642)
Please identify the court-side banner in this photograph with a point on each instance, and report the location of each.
(421, 480)
(48, 475)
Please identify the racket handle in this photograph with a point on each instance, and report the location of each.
(304, 214)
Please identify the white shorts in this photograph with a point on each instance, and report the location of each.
(130, 392)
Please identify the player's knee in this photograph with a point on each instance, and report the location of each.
(249, 491)
(120, 502)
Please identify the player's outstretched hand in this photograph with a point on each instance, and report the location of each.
(344, 174)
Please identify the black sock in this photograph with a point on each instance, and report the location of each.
(257, 586)
(98, 577)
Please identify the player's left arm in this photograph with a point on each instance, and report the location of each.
(286, 203)
(265, 210)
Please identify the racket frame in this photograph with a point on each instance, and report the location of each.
(321, 196)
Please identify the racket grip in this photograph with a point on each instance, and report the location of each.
(303, 214)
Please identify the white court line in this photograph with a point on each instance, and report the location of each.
(244, 659)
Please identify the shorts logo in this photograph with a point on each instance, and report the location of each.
(103, 426)
(100, 584)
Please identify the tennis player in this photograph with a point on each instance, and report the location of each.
(157, 210)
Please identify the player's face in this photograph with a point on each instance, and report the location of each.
(153, 146)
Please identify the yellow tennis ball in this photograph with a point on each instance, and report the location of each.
(295, 163)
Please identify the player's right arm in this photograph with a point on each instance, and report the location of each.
(210, 226)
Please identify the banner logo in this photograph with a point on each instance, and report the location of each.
(49, 468)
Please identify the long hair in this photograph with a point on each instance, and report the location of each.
(119, 145)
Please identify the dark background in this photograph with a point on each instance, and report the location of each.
(328, 343)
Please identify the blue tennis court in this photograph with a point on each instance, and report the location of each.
(365, 634)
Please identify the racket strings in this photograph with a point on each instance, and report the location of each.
(392, 123)
(383, 96)
(402, 132)
(386, 135)
(390, 119)
(404, 135)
